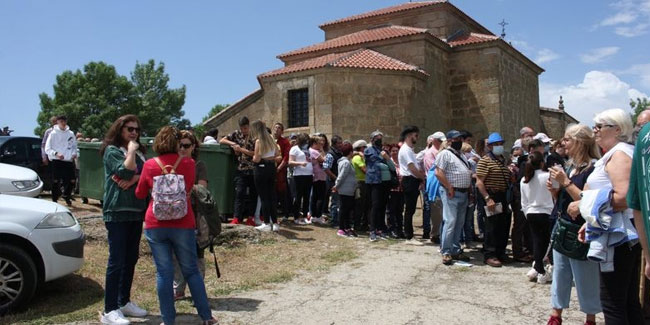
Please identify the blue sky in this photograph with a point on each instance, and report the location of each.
(595, 52)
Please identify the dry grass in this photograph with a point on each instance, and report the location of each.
(276, 259)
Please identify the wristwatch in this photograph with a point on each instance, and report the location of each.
(487, 197)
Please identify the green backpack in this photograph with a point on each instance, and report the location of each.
(208, 222)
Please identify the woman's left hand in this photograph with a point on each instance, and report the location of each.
(581, 234)
(574, 209)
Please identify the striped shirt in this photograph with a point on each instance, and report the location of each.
(456, 168)
(496, 175)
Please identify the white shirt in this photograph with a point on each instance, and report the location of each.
(405, 157)
(301, 157)
(599, 178)
(535, 197)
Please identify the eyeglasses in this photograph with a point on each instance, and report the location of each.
(599, 126)
(186, 145)
(131, 129)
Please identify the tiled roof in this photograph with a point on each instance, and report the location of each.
(359, 59)
(471, 38)
(385, 11)
(364, 36)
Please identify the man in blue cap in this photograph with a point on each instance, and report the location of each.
(492, 181)
(455, 175)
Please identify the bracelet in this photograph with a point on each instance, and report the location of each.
(570, 182)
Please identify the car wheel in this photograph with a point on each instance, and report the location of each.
(18, 277)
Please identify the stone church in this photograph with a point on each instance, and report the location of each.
(421, 63)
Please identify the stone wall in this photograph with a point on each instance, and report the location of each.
(519, 96)
(474, 91)
(438, 19)
(365, 101)
(554, 122)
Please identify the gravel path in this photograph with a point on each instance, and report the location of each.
(399, 284)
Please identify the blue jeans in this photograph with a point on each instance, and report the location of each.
(454, 211)
(334, 207)
(123, 253)
(182, 242)
(468, 229)
(586, 275)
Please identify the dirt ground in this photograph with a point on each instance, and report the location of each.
(307, 275)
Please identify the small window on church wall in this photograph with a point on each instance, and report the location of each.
(298, 108)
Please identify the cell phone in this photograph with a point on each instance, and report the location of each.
(116, 179)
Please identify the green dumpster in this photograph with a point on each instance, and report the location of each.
(218, 159)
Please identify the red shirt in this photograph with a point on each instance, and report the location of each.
(285, 146)
(145, 184)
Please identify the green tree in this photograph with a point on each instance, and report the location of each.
(639, 106)
(91, 99)
(157, 105)
(199, 129)
(95, 97)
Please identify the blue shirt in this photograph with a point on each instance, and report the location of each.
(373, 168)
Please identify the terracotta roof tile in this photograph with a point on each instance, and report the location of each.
(385, 11)
(358, 59)
(364, 36)
(471, 38)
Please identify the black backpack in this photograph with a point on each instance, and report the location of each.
(208, 222)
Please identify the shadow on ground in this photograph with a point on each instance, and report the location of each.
(65, 295)
(234, 304)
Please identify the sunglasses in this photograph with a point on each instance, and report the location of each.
(131, 129)
(599, 126)
(186, 145)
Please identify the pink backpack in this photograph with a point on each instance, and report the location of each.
(168, 193)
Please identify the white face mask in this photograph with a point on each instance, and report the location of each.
(497, 150)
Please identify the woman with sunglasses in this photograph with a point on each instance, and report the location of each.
(172, 237)
(123, 213)
(618, 289)
(189, 148)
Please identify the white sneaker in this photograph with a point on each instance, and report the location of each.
(532, 275)
(258, 221)
(317, 220)
(264, 227)
(300, 221)
(544, 278)
(114, 317)
(549, 269)
(414, 242)
(132, 310)
(275, 227)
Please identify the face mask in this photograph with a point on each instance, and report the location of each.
(497, 150)
(456, 145)
(377, 143)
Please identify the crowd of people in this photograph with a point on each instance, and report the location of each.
(573, 207)
(540, 195)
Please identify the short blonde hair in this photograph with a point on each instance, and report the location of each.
(619, 118)
(166, 140)
(466, 147)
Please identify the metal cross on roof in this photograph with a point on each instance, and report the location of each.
(503, 28)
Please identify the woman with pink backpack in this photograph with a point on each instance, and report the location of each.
(169, 223)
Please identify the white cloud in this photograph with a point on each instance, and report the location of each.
(642, 71)
(545, 55)
(597, 92)
(631, 18)
(619, 18)
(599, 54)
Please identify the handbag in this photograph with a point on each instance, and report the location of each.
(565, 240)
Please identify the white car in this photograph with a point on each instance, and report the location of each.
(21, 181)
(39, 241)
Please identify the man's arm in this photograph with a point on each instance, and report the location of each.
(415, 171)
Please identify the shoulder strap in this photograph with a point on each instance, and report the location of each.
(459, 158)
(162, 167)
(178, 161)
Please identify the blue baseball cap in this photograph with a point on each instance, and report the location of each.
(451, 134)
(494, 138)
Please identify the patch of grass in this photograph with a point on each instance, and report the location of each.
(339, 256)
